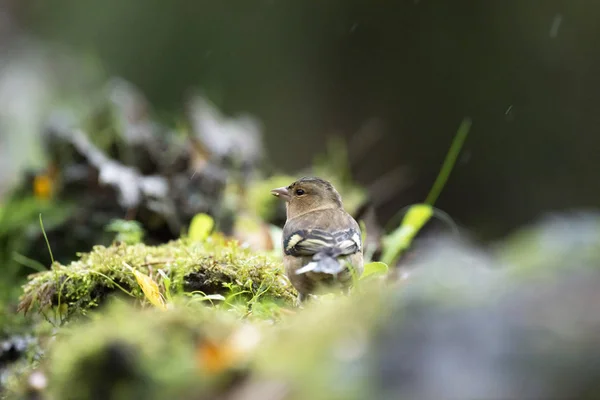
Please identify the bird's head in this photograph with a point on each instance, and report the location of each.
(308, 194)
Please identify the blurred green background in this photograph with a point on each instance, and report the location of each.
(524, 71)
(400, 75)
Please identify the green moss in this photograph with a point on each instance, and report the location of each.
(215, 266)
(320, 352)
(195, 352)
(332, 348)
(152, 355)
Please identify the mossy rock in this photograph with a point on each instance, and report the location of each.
(213, 266)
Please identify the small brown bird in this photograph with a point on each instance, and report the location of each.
(321, 241)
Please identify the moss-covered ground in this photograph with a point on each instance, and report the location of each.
(213, 268)
(210, 319)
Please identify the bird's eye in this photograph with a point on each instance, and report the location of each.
(299, 192)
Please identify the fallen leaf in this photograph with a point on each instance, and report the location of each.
(149, 287)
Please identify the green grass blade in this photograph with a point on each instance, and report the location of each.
(46, 238)
(453, 152)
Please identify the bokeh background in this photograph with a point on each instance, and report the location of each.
(394, 80)
(408, 70)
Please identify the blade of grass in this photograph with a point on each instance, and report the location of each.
(46, 238)
(51, 259)
(395, 243)
(451, 156)
(28, 262)
(442, 178)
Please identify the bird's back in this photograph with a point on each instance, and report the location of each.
(329, 220)
(321, 235)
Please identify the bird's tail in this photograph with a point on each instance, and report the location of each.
(322, 263)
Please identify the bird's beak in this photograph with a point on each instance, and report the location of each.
(282, 193)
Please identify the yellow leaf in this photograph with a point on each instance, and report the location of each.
(201, 227)
(149, 287)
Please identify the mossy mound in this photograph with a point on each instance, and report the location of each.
(213, 266)
(463, 312)
(193, 351)
(154, 355)
(322, 352)
(189, 352)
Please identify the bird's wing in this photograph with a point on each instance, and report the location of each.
(308, 242)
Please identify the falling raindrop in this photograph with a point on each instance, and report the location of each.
(509, 114)
(555, 25)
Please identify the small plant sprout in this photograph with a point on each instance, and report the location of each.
(418, 215)
(201, 227)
